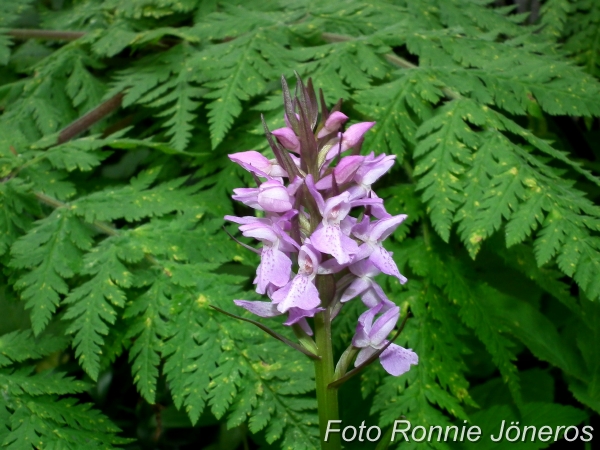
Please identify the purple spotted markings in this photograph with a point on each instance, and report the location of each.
(321, 217)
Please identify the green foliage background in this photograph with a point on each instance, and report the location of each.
(114, 179)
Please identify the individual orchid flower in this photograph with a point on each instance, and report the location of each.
(328, 237)
(287, 138)
(275, 265)
(371, 169)
(332, 124)
(344, 172)
(362, 284)
(301, 291)
(271, 196)
(371, 336)
(350, 138)
(258, 164)
(373, 234)
(268, 309)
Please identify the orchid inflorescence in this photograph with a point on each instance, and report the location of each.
(307, 193)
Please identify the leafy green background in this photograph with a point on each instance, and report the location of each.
(116, 119)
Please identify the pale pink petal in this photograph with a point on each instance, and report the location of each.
(275, 267)
(374, 296)
(364, 354)
(325, 183)
(274, 197)
(330, 239)
(397, 360)
(310, 184)
(356, 288)
(364, 268)
(383, 326)
(361, 229)
(295, 315)
(248, 196)
(262, 309)
(287, 138)
(298, 293)
(293, 187)
(365, 320)
(305, 326)
(260, 232)
(309, 259)
(379, 211)
(384, 262)
(347, 168)
(252, 158)
(247, 220)
(369, 173)
(354, 134)
(336, 209)
(332, 124)
(381, 229)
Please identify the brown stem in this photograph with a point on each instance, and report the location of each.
(55, 35)
(90, 118)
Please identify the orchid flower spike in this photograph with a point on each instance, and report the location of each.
(309, 232)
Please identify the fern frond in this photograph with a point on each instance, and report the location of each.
(52, 253)
(395, 106)
(92, 305)
(583, 35)
(149, 327)
(446, 150)
(10, 10)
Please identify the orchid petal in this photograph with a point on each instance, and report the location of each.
(287, 138)
(383, 326)
(384, 262)
(298, 293)
(262, 309)
(275, 267)
(356, 288)
(397, 360)
(364, 354)
(332, 124)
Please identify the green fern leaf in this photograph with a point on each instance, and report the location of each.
(149, 326)
(92, 304)
(444, 152)
(394, 106)
(21, 345)
(52, 253)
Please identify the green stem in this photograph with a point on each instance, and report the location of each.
(327, 399)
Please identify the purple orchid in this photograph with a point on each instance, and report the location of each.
(328, 237)
(373, 234)
(362, 274)
(332, 124)
(288, 139)
(258, 164)
(351, 138)
(275, 265)
(301, 291)
(268, 309)
(271, 196)
(311, 196)
(371, 336)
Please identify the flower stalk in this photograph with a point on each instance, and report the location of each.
(327, 398)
